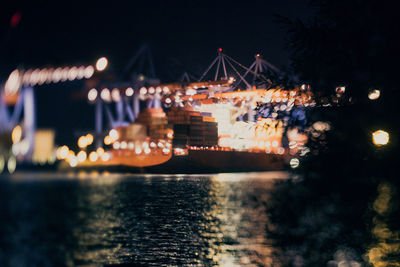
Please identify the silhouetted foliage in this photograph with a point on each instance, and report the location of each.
(328, 210)
(354, 44)
(347, 42)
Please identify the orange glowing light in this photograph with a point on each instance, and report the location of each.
(93, 156)
(16, 134)
(380, 138)
(107, 140)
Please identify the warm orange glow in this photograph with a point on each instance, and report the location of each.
(380, 138)
(105, 157)
(71, 154)
(82, 142)
(113, 135)
(62, 152)
(16, 134)
(81, 156)
(107, 140)
(116, 145)
(93, 156)
(100, 151)
(170, 135)
(89, 139)
(124, 145)
(73, 161)
(43, 146)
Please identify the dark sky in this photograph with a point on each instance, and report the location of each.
(182, 35)
(189, 31)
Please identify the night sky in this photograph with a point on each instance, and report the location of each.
(183, 36)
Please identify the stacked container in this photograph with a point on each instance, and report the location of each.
(156, 122)
(193, 128)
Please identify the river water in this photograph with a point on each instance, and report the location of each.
(259, 219)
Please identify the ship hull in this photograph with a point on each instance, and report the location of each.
(202, 161)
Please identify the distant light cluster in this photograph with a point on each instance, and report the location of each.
(181, 96)
(116, 94)
(32, 77)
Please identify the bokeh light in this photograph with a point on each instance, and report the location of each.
(89, 139)
(92, 95)
(81, 156)
(129, 91)
(73, 161)
(11, 164)
(62, 152)
(113, 135)
(82, 142)
(13, 82)
(93, 156)
(89, 72)
(105, 157)
(107, 140)
(16, 134)
(294, 163)
(115, 95)
(380, 138)
(101, 64)
(374, 94)
(105, 95)
(100, 151)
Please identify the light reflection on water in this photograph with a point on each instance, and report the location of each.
(147, 220)
(386, 248)
(247, 219)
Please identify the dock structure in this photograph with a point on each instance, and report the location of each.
(225, 83)
(18, 105)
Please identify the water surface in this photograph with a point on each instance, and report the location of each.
(259, 219)
(146, 220)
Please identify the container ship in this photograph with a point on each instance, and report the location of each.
(182, 127)
(213, 135)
